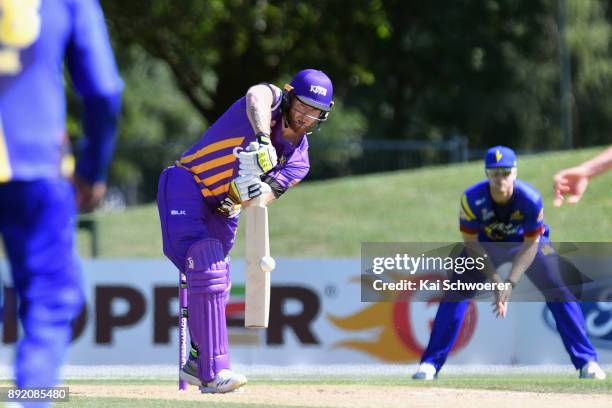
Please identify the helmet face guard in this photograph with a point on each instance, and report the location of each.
(312, 88)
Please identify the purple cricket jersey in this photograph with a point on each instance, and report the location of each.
(214, 166)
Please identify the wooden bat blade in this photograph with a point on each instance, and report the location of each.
(257, 292)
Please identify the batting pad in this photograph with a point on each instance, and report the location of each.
(207, 281)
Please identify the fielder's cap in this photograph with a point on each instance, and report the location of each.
(500, 156)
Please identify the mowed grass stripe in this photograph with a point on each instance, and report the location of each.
(96, 402)
(558, 383)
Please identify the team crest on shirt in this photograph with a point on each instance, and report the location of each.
(282, 160)
(517, 216)
(498, 231)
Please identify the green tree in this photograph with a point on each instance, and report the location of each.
(488, 70)
(590, 41)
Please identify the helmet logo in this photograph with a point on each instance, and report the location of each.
(498, 155)
(318, 90)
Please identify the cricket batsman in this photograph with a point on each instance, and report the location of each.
(259, 146)
(37, 201)
(505, 209)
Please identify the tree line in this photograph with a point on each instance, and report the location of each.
(488, 70)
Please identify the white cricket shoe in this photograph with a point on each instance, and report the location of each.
(189, 373)
(592, 370)
(225, 381)
(425, 372)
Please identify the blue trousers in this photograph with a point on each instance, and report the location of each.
(37, 226)
(543, 272)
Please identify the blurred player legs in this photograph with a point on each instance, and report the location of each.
(45, 271)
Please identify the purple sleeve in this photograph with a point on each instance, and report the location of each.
(93, 70)
(291, 172)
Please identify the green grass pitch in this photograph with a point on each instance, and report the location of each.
(543, 383)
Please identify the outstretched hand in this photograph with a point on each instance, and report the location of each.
(500, 305)
(569, 185)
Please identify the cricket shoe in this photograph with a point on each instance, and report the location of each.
(189, 373)
(225, 381)
(592, 370)
(425, 372)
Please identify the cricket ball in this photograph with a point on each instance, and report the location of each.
(267, 264)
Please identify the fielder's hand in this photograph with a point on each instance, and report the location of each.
(500, 306)
(570, 185)
(258, 158)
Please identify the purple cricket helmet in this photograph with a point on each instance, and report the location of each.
(313, 88)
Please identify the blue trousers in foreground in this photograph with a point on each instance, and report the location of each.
(37, 226)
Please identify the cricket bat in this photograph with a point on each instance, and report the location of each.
(259, 264)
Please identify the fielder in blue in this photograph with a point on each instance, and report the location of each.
(37, 200)
(502, 208)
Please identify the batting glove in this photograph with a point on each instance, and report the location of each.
(229, 208)
(246, 187)
(242, 188)
(258, 158)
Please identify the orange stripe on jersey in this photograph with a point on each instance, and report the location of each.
(199, 182)
(213, 163)
(466, 207)
(468, 230)
(213, 147)
(538, 231)
(219, 176)
(219, 190)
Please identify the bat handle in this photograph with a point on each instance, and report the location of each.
(257, 201)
